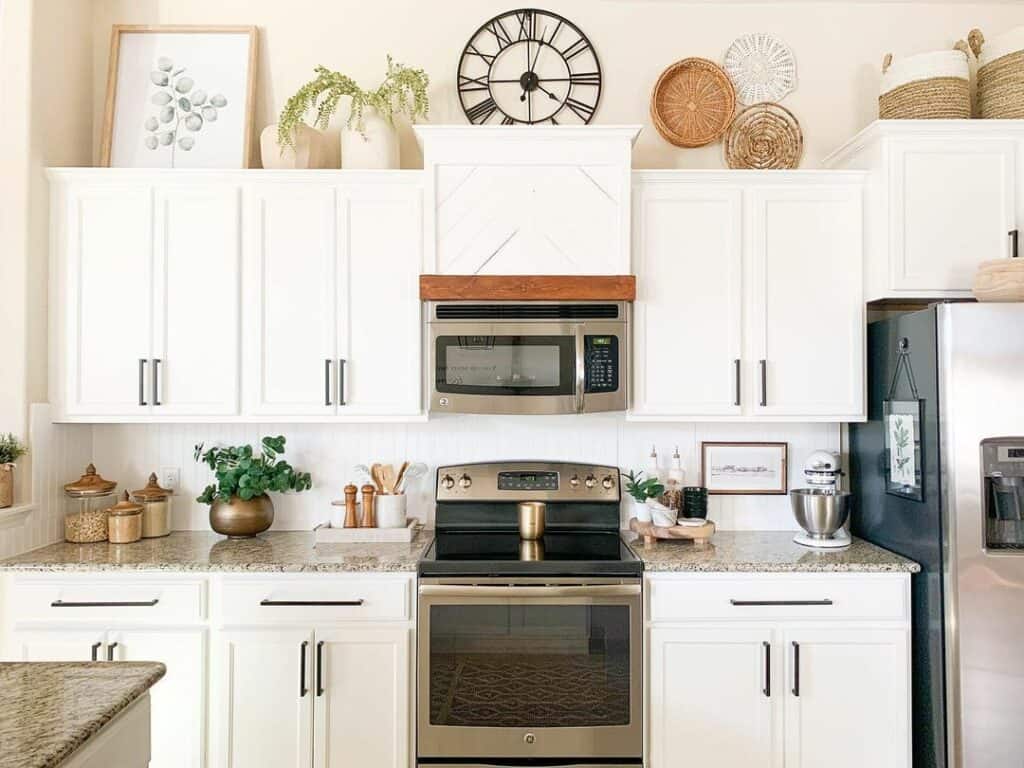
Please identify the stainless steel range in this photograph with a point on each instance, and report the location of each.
(529, 648)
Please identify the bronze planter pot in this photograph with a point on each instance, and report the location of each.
(241, 519)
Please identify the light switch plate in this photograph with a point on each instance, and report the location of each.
(170, 478)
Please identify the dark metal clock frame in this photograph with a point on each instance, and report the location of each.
(547, 89)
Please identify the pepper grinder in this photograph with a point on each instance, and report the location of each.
(351, 518)
(368, 520)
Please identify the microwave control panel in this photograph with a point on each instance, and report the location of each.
(601, 363)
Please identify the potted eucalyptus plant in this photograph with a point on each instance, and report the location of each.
(368, 138)
(640, 490)
(11, 449)
(239, 504)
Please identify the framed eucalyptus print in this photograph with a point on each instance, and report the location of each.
(902, 420)
(179, 97)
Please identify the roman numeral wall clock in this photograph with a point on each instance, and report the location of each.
(528, 67)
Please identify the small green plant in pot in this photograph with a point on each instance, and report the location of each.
(11, 449)
(239, 504)
(368, 138)
(641, 489)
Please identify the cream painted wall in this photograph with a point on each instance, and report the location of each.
(839, 49)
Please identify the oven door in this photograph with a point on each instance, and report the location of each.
(530, 670)
(526, 368)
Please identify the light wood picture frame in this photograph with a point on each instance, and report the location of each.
(751, 469)
(179, 96)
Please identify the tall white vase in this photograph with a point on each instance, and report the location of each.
(374, 147)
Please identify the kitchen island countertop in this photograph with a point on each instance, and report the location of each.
(52, 709)
(765, 552)
(205, 551)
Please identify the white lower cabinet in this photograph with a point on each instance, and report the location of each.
(759, 674)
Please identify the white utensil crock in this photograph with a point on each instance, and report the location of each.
(391, 510)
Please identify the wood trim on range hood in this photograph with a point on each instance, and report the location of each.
(527, 287)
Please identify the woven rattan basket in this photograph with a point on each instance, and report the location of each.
(693, 103)
(1000, 74)
(764, 136)
(932, 86)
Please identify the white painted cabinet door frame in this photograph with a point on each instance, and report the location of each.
(688, 316)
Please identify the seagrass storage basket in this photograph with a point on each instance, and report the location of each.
(1000, 74)
(928, 86)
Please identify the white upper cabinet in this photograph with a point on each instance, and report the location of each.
(749, 296)
(542, 201)
(201, 296)
(943, 196)
(688, 258)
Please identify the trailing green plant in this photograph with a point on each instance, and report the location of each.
(641, 489)
(404, 91)
(11, 449)
(242, 472)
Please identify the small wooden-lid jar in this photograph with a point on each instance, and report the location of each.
(124, 521)
(156, 509)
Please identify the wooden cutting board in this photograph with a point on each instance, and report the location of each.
(700, 535)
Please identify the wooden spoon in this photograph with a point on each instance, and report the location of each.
(401, 476)
(378, 477)
(388, 475)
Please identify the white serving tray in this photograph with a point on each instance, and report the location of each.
(324, 534)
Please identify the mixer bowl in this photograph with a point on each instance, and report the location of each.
(820, 512)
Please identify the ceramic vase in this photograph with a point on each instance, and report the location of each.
(641, 511)
(374, 147)
(240, 518)
(310, 149)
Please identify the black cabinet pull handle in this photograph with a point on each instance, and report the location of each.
(767, 690)
(736, 366)
(748, 603)
(156, 381)
(341, 381)
(292, 603)
(1014, 243)
(796, 669)
(142, 380)
(327, 382)
(96, 651)
(320, 668)
(302, 669)
(110, 651)
(764, 383)
(113, 604)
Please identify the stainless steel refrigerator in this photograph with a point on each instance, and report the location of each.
(937, 474)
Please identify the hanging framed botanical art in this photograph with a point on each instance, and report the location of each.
(179, 97)
(902, 420)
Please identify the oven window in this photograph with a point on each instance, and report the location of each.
(537, 666)
(506, 365)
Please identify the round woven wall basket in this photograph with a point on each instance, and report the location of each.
(1000, 74)
(693, 103)
(929, 86)
(764, 136)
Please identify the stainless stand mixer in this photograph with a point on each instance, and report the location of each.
(822, 509)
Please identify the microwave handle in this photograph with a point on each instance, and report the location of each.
(581, 373)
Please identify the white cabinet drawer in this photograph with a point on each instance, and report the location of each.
(138, 598)
(313, 600)
(777, 596)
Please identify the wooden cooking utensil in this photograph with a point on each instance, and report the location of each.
(378, 477)
(401, 476)
(369, 520)
(388, 475)
(351, 518)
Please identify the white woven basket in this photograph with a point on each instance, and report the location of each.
(1000, 74)
(1003, 45)
(931, 85)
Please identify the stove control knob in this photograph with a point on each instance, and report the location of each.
(574, 481)
(590, 482)
(448, 482)
(607, 482)
(529, 738)
(465, 481)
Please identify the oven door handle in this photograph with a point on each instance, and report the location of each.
(581, 371)
(573, 590)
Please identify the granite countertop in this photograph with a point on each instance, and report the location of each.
(51, 709)
(766, 552)
(205, 551)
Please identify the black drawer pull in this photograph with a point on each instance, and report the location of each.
(320, 668)
(796, 669)
(110, 651)
(779, 602)
(767, 690)
(106, 604)
(96, 651)
(293, 603)
(303, 690)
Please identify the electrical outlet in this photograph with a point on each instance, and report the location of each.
(170, 478)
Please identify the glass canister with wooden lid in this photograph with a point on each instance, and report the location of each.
(156, 509)
(86, 502)
(124, 521)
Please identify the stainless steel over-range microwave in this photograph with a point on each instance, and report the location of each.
(537, 357)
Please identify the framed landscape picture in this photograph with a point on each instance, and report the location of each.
(179, 97)
(745, 468)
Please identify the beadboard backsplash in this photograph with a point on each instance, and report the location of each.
(128, 453)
